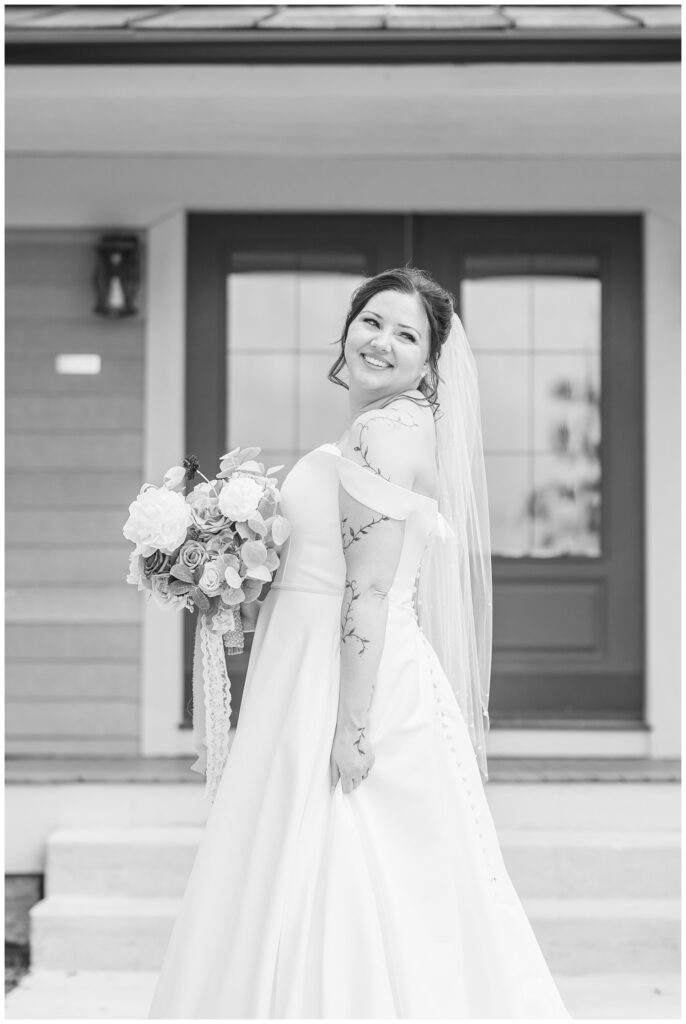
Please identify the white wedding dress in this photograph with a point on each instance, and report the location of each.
(391, 901)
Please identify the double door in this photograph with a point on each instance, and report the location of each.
(552, 309)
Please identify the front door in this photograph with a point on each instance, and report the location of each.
(552, 308)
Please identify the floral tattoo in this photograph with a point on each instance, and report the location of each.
(349, 535)
(360, 738)
(398, 418)
(348, 628)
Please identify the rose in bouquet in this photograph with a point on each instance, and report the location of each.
(212, 549)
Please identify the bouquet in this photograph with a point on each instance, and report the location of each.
(212, 549)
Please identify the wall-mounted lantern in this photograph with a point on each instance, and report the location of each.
(117, 277)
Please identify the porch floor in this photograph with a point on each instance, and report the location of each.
(59, 770)
(120, 995)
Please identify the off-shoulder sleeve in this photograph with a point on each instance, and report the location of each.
(375, 491)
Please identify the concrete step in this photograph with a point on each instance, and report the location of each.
(593, 864)
(146, 862)
(34, 808)
(576, 936)
(585, 806)
(585, 936)
(124, 995)
(87, 933)
(553, 864)
(81, 995)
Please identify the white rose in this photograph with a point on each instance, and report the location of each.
(134, 572)
(239, 497)
(158, 520)
(211, 581)
(160, 592)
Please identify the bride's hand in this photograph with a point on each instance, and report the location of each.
(352, 757)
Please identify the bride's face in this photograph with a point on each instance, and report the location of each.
(387, 345)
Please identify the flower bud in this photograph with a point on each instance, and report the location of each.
(174, 478)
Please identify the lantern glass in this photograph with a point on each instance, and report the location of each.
(117, 276)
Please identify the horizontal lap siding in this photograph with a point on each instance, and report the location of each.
(74, 457)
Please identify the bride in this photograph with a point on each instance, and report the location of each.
(350, 866)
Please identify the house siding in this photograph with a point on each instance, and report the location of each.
(74, 458)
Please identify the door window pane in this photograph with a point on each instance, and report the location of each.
(284, 319)
(534, 323)
(504, 410)
(508, 479)
(261, 409)
(262, 308)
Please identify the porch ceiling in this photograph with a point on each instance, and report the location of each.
(465, 111)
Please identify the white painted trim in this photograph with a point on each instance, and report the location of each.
(164, 439)
(568, 743)
(89, 191)
(662, 455)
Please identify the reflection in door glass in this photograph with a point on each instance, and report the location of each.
(534, 323)
(283, 328)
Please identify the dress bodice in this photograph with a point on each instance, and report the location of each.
(312, 558)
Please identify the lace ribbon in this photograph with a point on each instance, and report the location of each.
(212, 693)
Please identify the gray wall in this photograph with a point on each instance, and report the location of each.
(74, 455)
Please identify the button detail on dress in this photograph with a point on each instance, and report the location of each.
(448, 726)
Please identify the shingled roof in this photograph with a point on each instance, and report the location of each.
(351, 33)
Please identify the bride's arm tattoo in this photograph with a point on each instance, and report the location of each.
(350, 535)
(348, 627)
(396, 417)
(361, 736)
(371, 547)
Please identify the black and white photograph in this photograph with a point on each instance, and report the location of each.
(343, 430)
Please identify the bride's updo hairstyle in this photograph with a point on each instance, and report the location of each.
(438, 305)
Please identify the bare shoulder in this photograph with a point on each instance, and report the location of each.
(395, 441)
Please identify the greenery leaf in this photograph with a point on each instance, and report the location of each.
(253, 553)
(182, 572)
(281, 529)
(247, 454)
(200, 599)
(251, 589)
(260, 572)
(177, 587)
(256, 523)
(272, 561)
(244, 531)
(232, 577)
